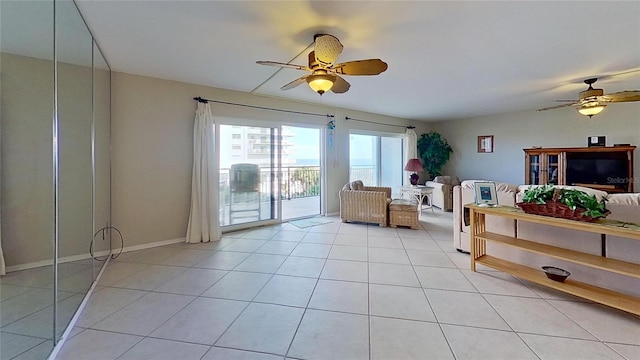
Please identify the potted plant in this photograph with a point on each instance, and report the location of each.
(434, 152)
(565, 203)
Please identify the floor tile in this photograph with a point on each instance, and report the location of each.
(12, 345)
(345, 270)
(430, 258)
(149, 256)
(392, 274)
(202, 321)
(154, 349)
(186, 257)
(388, 256)
(330, 228)
(351, 239)
(399, 302)
(301, 266)
(217, 353)
(330, 335)
(319, 238)
(345, 252)
(605, 323)
(192, 281)
(498, 283)
(24, 305)
(629, 352)
(116, 271)
(39, 324)
(261, 233)
(289, 236)
(352, 229)
(340, 296)
(425, 244)
(462, 308)
(287, 290)
(557, 348)
(7, 291)
(475, 343)
(312, 250)
(238, 285)
(41, 351)
(144, 315)
(385, 242)
(407, 339)
(262, 263)
(277, 247)
(443, 278)
(540, 317)
(212, 245)
(105, 302)
(245, 245)
(150, 277)
(223, 260)
(378, 231)
(92, 344)
(263, 327)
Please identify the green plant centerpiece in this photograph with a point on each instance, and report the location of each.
(562, 202)
(434, 152)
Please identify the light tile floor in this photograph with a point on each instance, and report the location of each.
(336, 291)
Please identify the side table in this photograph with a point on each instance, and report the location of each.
(419, 193)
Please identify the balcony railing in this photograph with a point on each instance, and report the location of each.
(296, 182)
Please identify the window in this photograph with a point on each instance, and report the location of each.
(376, 159)
(236, 136)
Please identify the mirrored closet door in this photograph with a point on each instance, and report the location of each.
(55, 171)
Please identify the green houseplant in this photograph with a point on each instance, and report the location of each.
(567, 203)
(434, 152)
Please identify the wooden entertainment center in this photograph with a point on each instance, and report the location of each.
(608, 168)
(480, 237)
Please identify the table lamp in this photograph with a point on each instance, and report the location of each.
(414, 165)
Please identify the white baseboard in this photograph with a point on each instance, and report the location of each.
(66, 259)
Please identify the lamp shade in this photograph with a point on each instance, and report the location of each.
(414, 165)
(589, 111)
(321, 82)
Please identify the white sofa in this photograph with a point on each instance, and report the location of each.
(623, 207)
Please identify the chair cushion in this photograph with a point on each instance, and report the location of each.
(403, 205)
(357, 185)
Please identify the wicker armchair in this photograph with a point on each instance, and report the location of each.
(365, 203)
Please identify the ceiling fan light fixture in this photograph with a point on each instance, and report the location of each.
(590, 110)
(321, 83)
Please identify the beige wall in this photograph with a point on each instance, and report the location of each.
(152, 140)
(515, 131)
(27, 180)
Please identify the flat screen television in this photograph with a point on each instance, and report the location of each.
(598, 168)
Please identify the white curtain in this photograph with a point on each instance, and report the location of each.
(411, 147)
(204, 222)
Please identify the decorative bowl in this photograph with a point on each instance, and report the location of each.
(555, 273)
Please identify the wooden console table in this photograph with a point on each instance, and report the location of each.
(479, 237)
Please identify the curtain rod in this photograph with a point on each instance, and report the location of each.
(379, 123)
(204, 101)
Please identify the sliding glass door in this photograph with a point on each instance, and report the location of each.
(376, 160)
(300, 172)
(248, 174)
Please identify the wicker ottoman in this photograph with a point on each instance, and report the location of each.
(403, 213)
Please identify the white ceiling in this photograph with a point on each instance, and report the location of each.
(446, 59)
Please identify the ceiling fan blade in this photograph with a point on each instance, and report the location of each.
(559, 106)
(622, 96)
(361, 67)
(340, 85)
(327, 49)
(291, 66)
(295, 83)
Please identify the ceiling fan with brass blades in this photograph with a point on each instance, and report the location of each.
(592, 101)
(325, 73)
